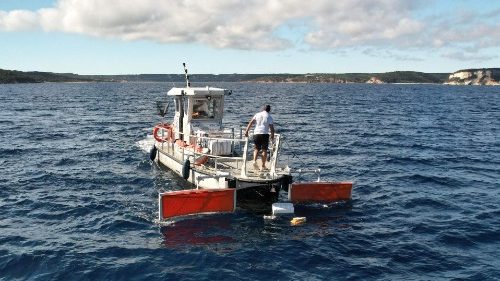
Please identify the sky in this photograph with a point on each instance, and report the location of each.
(248, 36)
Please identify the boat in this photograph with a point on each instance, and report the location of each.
(216, 160)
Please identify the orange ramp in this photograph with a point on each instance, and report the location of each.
(195, 201)
(320, 192)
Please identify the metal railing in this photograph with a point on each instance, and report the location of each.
(243, 158)
(242, 143)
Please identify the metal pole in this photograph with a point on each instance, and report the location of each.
(187, 76)
(232, 141)
(244, 166)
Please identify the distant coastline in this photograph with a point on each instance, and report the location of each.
(484, 76)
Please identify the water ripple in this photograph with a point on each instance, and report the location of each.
(77, 189)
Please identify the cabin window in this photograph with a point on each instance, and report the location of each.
(204, 109)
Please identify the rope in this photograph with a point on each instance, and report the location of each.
(294, 155)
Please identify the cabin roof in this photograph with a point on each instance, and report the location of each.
(197, 91)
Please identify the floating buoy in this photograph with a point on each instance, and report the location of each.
(271, 217)
(152, 153)
(298, 220)
(185, 169)
(282, 208)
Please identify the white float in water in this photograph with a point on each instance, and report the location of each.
(282, 208)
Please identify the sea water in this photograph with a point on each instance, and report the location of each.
(78, 193)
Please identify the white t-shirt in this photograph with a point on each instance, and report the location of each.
(262, 121)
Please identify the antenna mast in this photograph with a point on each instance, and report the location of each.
(187, 75)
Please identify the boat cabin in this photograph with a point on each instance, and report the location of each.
(198, 111)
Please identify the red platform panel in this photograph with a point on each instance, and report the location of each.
(320, 192)
(195, 201)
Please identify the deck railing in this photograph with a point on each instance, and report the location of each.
(238, 146)
(237, 142)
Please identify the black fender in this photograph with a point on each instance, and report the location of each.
(186, 167)
(152, 153)
(286, 181)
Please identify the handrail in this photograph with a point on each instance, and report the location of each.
(187, 153)
(195, 154)
(244, 166)
(315, 171)
(274, 156)
(226, 139)
(222, 139)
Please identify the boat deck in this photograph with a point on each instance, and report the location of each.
(234, 168)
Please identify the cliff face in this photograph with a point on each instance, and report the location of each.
(375, 80)
(485, 76)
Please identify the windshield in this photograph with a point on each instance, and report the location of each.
(203, 108)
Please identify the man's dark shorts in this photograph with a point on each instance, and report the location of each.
(261, 141)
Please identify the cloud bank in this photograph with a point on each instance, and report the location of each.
(265, 24)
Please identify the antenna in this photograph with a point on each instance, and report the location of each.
(187, 75)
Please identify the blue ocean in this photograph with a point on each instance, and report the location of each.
(78, 193)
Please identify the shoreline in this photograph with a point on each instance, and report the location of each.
(252, 82)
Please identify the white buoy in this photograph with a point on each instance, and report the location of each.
(282, 208)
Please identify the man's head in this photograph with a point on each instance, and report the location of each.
(267, 108)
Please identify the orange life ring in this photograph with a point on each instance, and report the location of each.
(165, 137)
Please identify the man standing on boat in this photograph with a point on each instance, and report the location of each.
(263, 124)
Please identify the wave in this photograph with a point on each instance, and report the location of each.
(12, 151)
(146, 144)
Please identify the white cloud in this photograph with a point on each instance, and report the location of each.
(468, 57)
(18, 20)
(253, 24)
(221, 24)
(354, 23)
(391, 54)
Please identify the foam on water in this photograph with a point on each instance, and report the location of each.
(146, 144)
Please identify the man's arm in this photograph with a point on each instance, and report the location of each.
(249, 126)
(271, 127)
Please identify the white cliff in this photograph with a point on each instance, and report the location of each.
(375, 80)
(474, 77)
